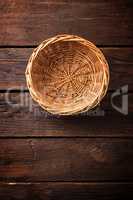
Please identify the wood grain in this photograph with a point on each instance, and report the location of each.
(13, 63)
(72, 159)
(21, 117)
(66, 191)
(29, 22)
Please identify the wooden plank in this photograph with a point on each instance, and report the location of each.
(21, 117)
(66, 191)
(29, 22)
(13, 63)
(73, 159)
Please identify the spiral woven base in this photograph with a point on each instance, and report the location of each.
(67, 74)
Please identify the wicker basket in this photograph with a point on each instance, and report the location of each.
(67, 74)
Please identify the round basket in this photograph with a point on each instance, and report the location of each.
(67, 74)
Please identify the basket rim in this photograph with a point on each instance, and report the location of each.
(35, 95)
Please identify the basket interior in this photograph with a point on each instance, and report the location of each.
(67, 76)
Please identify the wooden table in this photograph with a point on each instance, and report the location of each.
(83, 157)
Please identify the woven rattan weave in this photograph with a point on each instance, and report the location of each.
(67, 74)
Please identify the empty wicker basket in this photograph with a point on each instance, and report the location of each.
(67, 74)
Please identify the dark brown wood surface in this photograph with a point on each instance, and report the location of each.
(62, 159)
(28, 22)
(84, 157)
(66, 191)
(102, 121)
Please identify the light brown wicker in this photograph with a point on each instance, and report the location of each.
(67, 74)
